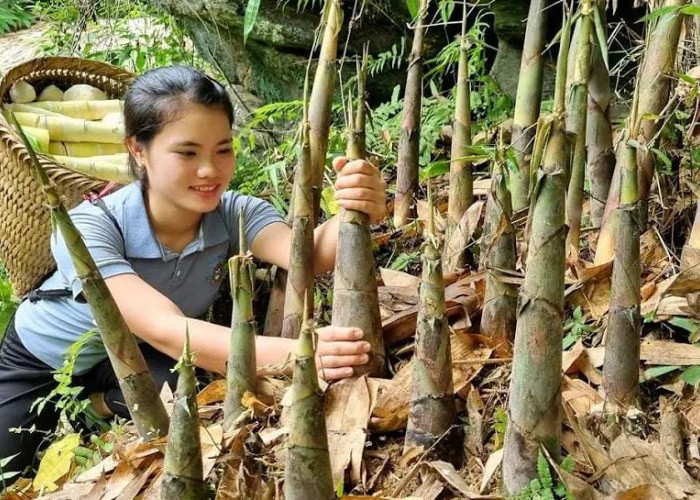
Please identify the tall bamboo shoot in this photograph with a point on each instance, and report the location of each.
(241, 367)
(300, 279)
(535, 398)
(409, 141)
(576, 124)
(307, 474)
(461, 183)
(528, 99)
(355, 297)
(499, 316)
(654, 80)
(431, 417)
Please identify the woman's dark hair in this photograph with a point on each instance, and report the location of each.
(155, 98)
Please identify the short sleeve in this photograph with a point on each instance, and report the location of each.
(258, 214)
(103, 240)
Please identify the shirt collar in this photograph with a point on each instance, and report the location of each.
(140, 241)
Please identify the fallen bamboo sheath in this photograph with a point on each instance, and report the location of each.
(307, 473)
(109, 168)
(73, 129)
(241, 367)
(355, 297)
(135, 381)
(182, 469)
(83, 149)
(86, 110)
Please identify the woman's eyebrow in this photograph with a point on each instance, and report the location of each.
(197, 145)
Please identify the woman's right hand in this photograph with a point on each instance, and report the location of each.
(339, 349)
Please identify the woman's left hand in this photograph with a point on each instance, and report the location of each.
(360, 187)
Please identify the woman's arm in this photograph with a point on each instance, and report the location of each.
(359, 186)
(155, 319)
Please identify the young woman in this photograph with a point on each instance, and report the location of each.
(161, 244)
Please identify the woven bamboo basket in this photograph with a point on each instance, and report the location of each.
(25, 227)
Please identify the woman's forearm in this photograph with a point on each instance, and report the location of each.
(210, 343)
(325, 243)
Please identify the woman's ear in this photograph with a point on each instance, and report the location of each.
(136, 150)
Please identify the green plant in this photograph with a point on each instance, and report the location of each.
(500, 422)
(575, 328)
(14, 14)
(544, 486)
(66, 396)
(130, 34)
(8, 302)
(404, 260)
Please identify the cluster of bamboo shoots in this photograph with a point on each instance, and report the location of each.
(80, 129)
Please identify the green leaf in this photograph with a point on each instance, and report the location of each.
(600, 35)
(251, 15)
(661, 11)
(691, 376)
(656, 372)
(691, 10)
(413, 7)
(328, 202)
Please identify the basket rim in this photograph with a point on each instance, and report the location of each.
(75, 65)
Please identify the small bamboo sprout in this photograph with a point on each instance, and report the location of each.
(461, 183)
(182, 470)
(308, 467)
(528, 99)
(409, 141)
(431, 416)
(535, 397)
(576, 124)
(355, 298)
(241, 367)
(300, 280)
(135, 381)
(654, 82)
(499, 315)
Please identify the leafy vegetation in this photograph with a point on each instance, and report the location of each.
(14, 14)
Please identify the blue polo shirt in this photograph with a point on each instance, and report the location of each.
(190, 279)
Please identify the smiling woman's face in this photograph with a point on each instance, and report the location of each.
(190, 162)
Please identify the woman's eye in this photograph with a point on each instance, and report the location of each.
(226, 151)
(186, 154)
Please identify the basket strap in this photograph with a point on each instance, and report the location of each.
(36, 294)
